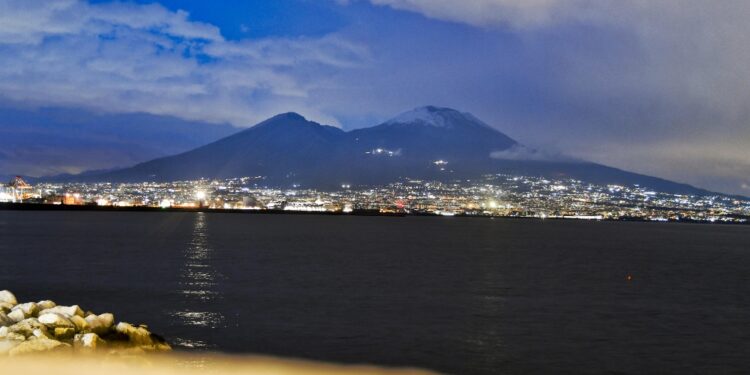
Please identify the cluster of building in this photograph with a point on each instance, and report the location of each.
(492, 195)
(17, 190)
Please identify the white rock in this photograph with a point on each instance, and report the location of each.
(67, 311)
(137, 335)
(100, 324)
(80, 323)
(140, 337)
(46, 304)
(5, 320)
(107, 318)
(27, 327)
(54, 320)
(29, 309)
(36, 346)
(17, 316)
(3, 332)
(66, 333)
(6, 296)
(5, 307)
(87, 341)
(38, 333)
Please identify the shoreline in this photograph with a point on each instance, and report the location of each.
(6, 206)
(45, 337)
(44, 327)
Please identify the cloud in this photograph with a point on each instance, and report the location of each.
(519, 13)
(24, 22)
(520, 152)
(685, 54)
(125, 57)
(610, 81)
(718, 164)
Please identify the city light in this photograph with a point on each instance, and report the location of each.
(495, 195)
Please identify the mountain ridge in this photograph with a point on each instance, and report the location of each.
(425, 143)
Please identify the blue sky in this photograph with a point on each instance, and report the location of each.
(239, 19)
(652, 87)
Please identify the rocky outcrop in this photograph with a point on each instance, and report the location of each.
(5, 320)
(8, 297)
(38, 345)
(44, 326)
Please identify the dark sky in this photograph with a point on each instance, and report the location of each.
(657, 87)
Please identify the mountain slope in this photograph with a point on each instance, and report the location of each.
(277, 148)
(426, 143)
(434, 133)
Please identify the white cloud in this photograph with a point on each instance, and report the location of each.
(486, 12)
(634, 75)
(33, 20)
(124, 57)
(624, 70)
(520, 152)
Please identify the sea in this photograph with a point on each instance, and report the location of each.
(450, 294)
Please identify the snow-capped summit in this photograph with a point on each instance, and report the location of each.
(428, 143)
(437, 117)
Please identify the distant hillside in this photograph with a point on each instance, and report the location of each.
(426, 143)
(50, 141)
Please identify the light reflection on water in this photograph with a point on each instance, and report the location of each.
(201, 318)
(198, 283)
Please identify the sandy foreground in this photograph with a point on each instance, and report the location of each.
(183, 364)
(44, 337)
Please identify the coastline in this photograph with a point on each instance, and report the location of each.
(6, 206)
(44, 337)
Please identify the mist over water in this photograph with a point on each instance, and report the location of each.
(469, 296)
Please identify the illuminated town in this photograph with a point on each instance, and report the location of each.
(492, 196)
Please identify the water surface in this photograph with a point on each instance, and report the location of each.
(464, 296)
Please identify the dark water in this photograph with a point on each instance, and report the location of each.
(465, 296)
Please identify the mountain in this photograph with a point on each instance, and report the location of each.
(282, 145)
(434, 133)
(426, 143)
